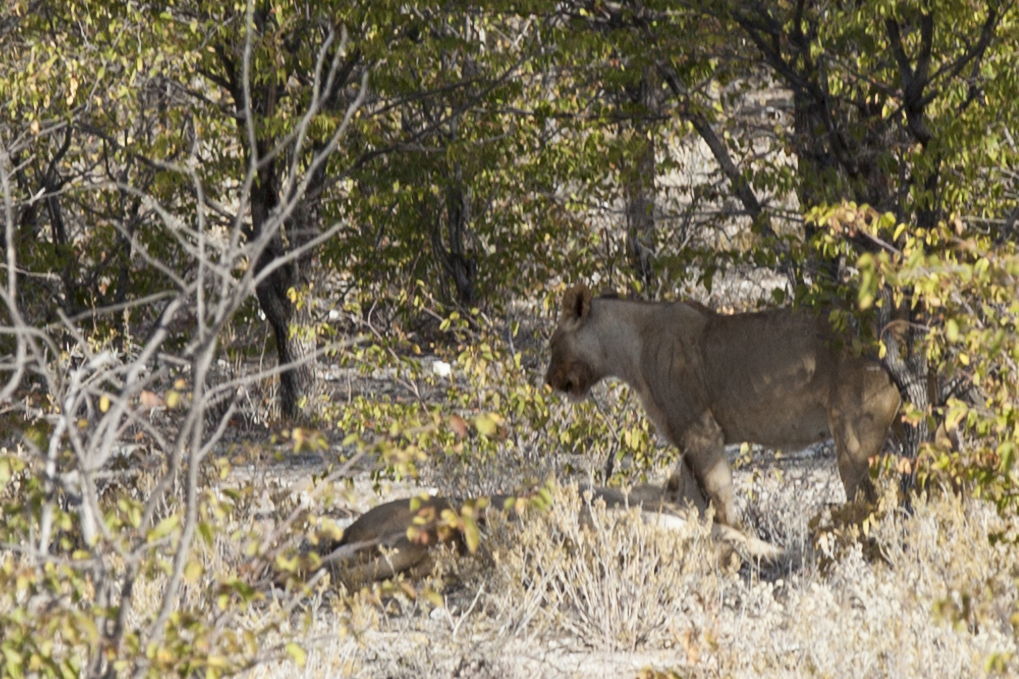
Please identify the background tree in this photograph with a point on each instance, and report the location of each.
(877, 97)
(871, 118)
(101, 382)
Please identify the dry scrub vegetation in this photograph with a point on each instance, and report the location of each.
(554, 596)
(392, 198)
(571, 591)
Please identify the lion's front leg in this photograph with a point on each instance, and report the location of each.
(682, 488)
(702, 446)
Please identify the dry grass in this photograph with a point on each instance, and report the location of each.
(561, 595)
(558, 595)
(602, 576)
(608, 593)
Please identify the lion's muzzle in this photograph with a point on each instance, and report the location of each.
(574, 379)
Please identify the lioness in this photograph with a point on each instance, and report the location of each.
(396, 537)
(776, 378)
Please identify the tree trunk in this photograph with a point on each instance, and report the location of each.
(291, 331)
(449, 244)
(906, 361)
(817, 165)
(825, 178)
(639, 180)
(291, 327)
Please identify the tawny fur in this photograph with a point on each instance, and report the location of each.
(777, 378)
(397, 536)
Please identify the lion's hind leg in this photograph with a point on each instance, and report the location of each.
(863, 407)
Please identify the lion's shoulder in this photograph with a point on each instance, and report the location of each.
(697, 306)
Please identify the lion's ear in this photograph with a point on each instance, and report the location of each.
(577, 303)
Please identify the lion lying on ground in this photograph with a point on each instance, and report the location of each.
(397, 536)
(776, 378)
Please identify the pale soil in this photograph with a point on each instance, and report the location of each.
(940, 604)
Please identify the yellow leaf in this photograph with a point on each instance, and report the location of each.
(192, 571)
(288, 565)
(218, 661)
(487, 423)
(172, 399)
(297, 653)
(956, 411)
(104, 403)
(163, 528)
(952, 330)
(72, 90)
(433, 597)
(472, 536)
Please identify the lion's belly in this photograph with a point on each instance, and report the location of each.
(781, 427)
(782, 407)
(768, 377)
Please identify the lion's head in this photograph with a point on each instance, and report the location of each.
(570, 369)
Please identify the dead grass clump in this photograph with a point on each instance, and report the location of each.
(938, 604)
(612, 578)
(586, 591)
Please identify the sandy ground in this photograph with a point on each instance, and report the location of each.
(531, 612)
